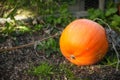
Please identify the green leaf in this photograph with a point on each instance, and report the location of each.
(10, 0)
(115, 21)
(44, 69)
(116, 18)
(110, 11)
(95, 13)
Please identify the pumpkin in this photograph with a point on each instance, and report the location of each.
(83, 42)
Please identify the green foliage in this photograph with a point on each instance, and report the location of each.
(10, 7)
(22, 29)
(62, 17)
(95, 13)
(109, 60)
(54, 13)
(10, 28)
(110, 16)
(48, 47)
(64, 69)
(43, 71)
(110, 3)
(51, 71)
(41, 7)
(46, 7)
(37, 27)
(110, 12)
(116, 21)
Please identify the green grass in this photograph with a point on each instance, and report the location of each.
(109, 60)
(46, 71)
(43, 71)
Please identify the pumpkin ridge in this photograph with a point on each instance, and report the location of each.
(88, 43)
(95, 47)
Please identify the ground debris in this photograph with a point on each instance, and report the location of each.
(15, 63)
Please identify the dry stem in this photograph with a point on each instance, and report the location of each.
(113, 41)
(29, 44)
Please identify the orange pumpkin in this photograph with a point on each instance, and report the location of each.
(83, 42)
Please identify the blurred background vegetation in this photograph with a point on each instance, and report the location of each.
(53, 12)
(40, 12)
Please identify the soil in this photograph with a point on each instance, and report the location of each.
(15, 63)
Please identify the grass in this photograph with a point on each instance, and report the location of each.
(109, 60)
(43, 71)
(46, 71)
(65, 71)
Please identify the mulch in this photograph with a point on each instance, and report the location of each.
(15, 63)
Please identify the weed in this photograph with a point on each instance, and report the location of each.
(66, 71)
(109, 60)
(48, 47)
(44, 70)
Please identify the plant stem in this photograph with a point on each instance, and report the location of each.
(113, 41)
(29, 44)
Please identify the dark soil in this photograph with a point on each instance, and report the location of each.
(15, 63)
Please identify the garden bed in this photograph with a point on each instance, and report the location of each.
(16, 64)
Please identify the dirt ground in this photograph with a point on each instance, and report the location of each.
(15, 63)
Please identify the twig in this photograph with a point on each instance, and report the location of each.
(113, 40)
(29, 44)
(117, 54)
(109, 64)
(103, 23)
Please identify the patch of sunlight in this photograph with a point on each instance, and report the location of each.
(23, 14)
(23, 28)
